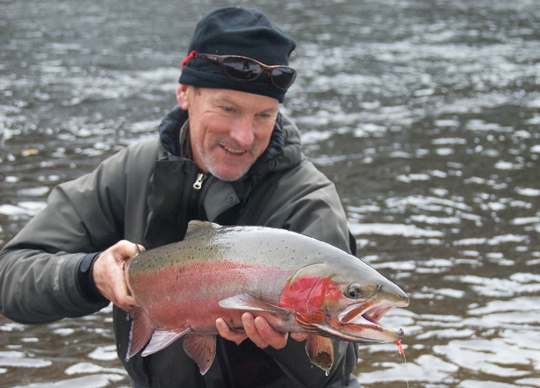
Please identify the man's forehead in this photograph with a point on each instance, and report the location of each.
(238, 98)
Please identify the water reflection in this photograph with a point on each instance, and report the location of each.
(424, 113)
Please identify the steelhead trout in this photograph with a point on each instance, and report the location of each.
(297, 283)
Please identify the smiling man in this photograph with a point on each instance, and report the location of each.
(228, 131)
(225, 154)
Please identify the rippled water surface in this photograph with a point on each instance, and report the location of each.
(425, 113)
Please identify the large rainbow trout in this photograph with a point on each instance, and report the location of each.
(297, 283)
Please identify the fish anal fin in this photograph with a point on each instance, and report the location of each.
(247, 302)
(161, 339)
(320, 351)
(141, 331)
(201, 349)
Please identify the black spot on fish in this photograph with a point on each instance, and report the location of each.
(324, 359)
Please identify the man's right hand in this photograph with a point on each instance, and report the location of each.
(109, 275)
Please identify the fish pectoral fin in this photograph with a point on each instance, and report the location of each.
(247, 302)
(141, 331)
(320, 351)
(201, 349)
(161, 339)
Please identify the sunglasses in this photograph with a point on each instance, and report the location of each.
(248, 69)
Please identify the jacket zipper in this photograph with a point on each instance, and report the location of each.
(198, 183)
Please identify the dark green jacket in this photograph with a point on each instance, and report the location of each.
(146, 194)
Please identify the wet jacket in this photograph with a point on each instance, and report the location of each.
(147, 194)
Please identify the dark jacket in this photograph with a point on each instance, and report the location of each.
(145, 194)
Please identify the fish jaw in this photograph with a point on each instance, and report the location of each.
(360, 323)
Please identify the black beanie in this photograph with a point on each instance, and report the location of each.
(237, 31)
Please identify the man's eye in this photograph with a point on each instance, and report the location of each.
(227, 109)
(267, 115)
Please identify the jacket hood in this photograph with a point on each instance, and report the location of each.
(283, 151)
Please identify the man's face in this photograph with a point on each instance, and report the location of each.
(229, 130)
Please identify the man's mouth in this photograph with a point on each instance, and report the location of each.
(234, 151)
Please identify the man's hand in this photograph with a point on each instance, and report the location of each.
(109, 277)
(257, 330)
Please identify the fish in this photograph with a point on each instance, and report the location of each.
(298, 283)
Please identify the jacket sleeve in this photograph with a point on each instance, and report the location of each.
(39, 268)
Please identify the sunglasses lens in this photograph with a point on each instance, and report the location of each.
(283, 77)
(241, 69)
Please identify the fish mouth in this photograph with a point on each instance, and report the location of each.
(360, 323)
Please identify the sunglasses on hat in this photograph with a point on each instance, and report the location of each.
(247, 69)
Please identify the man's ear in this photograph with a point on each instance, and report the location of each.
(181, 96)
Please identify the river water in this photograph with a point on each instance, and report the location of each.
(425, 113)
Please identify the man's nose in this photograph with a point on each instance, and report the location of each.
(242, 132)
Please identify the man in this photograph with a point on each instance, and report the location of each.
(226, 155)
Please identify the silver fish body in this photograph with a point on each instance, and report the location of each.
(297, 283)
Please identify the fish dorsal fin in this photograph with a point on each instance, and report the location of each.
(320, 351)
(161, 339)
(198, 228)
(247, 302)
(201, 349)
(140, 333)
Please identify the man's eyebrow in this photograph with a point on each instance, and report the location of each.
(218, 100)
(228, 101)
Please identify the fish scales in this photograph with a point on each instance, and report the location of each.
(297, 283)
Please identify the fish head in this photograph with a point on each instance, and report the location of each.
(345, 301)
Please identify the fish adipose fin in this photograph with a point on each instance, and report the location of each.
(161, 339)
(247, 302)
(320, 351)
(141, 331)
(201, 349)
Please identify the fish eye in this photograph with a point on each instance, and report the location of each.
(354, 291)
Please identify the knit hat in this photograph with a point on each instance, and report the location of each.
(237, 31)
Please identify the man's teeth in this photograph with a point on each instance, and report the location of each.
(234, 151)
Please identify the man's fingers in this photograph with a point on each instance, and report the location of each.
(227, 333)
(269, 335)
(122, 298)
(256, 329)
(299, 336)
(109, 273)
(126, 303)
(252, 332)
(126, 250)
(261, 333)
